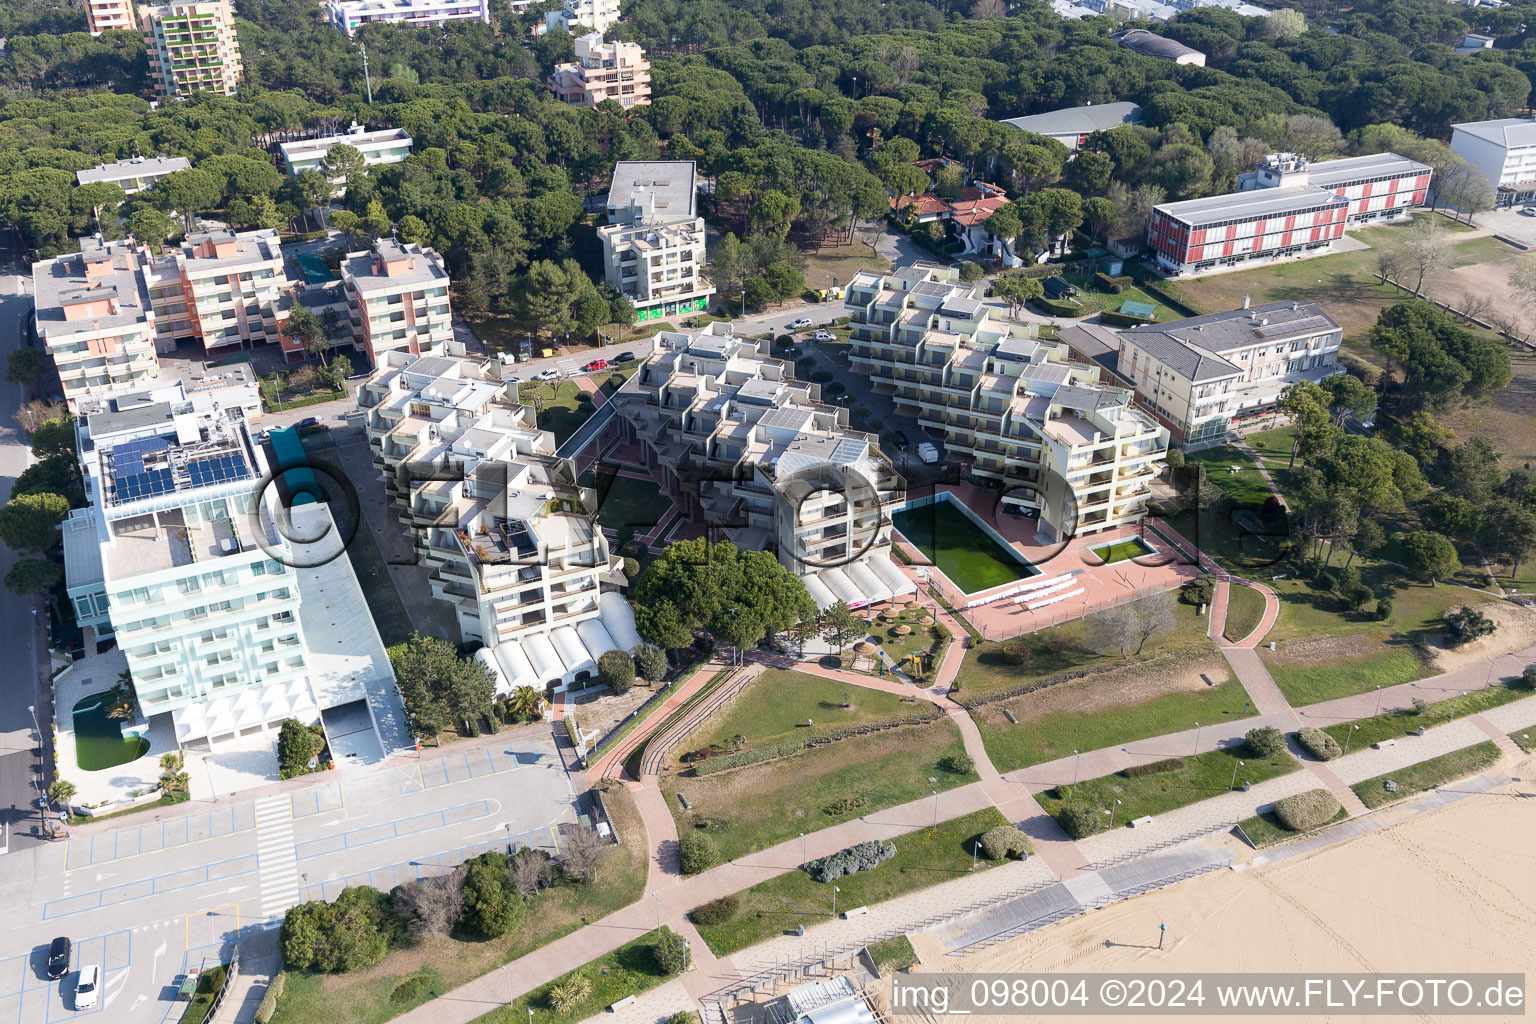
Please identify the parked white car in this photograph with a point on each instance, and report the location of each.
(547, 375)
(88, 987)
(824, 336)
(798, 325)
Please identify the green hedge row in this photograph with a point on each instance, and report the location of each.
(1051, 306)
(719, 764)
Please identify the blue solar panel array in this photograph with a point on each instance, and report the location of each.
(145, 485)
(217, 469)
(128, 457)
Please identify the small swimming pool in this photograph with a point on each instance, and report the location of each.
(959, 546)
(1120, 550)
(313, 268)
(99, 740)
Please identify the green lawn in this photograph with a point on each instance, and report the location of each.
(1436, 771)
(776, 705)
(1199, 778)
(623, 501)
(1265, 829)
(1397, 724)
(1312, 684)
(627, 971)
(1060, 648)
(561, 409)
(365, 997)
(1523, 739)
(1245, 609)
(1246, 486)
(924, 857)
(756, 807)
(1093, 299)
(1036, 740)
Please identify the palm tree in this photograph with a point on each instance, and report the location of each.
(61, 790)
(524, 702)
(124, 700)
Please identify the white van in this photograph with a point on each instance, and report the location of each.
(928, 453)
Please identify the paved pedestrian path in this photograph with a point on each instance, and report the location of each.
(612, 760)
(1254, 675)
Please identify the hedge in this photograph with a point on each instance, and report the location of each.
(755, 756)
(1115, 319)
(1318, 743)
(1039, 270)
(716, 912)
(1051, 306)
(1113, 285)
(1167, 764)
(1307, 810)
(863, 857)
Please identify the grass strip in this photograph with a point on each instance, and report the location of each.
(1416, 778)
(1406, 721)
(589, 989)
(1266, 830)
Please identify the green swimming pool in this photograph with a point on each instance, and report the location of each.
(1120, 550)
(971, 558)
(99, 740)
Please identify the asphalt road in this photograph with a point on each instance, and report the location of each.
(20, 760)
(152, 895)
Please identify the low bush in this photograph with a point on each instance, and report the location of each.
(1003, 841)
(958, 764)
(565, 996)
(1015, 653)
(410, 991)
(1167, 764)
(269, 999)
(1113, 285)
(1318, 743)
(1265, 741)
(696, 852)
(755, 756)
(715, 912)
(212, 980)
(670, 950)
(683, 1017)
(863, 857)
(1306, 810)
(1199, 590)
(845, 805)
(1528, 678)
(1465, 624)
(1081, 820)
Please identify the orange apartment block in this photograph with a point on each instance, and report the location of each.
(221, 289)
(106, 15)
(603, 71)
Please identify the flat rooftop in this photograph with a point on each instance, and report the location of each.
(137, 168)
(1240, 206)
(670, 184)
(305, 149)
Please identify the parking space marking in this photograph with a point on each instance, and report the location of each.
(371, 834)
(454, 769)
(320, 799)
(158, 836)
(212, 912)
(146, 887)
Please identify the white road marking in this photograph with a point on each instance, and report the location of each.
(276, 855)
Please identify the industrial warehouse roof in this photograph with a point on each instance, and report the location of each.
(1079, 120)
(1509, 132)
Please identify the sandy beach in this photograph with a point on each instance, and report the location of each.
(1453, 889)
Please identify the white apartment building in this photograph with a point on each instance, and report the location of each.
(1505, 151)
(740, 443)
(348, 15)
(222, 289)
(592, 15)
(378, 148)
(512, 542)
(1201, 376)
(1016, 412)
(95, 316)
(653, 243)
(134, 175)
(228, 625)
(615, 71)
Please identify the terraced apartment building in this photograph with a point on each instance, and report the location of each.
(741, 445)
(1016, 411)
(498, 518)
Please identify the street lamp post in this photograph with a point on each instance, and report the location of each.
(658, 908)
(1377, 713)
(803, 858)
(1113, 808)
(935, 808)
(1077, 760)
(1197, 737)
(42, 801)
(1489, 681)
(1347, 737)
(1233, 784)
(835, 891)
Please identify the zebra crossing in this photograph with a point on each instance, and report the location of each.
(277, 861)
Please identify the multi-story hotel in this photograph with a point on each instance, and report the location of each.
(653, 243)
(1382, 186)
(1017, 412)
(347, 15)
(133, 175)
(220, 289)
(192, 47)
(378, 148)
(1216, 232)
(107, 15)
(94, 315)
(228, 624)
(741, 444)
(593, 15)
(1505, 151)
(511, 540)
(603, 71)
(1202, 375)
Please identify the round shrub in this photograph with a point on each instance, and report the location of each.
(1015, 653)
(212, 980)
(1528, 678)
(670, 952)
(584, 397)
(411, 991)
(1306, 810)
(1081, 820)
(631, 569)
(715, 912)
(683, 1017)
(1318, 743)
(1265, 741)
(491, 906)
(616, 670)
(696, 852)
(1003, 841)
(958, 764)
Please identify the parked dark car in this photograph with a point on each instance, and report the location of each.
(1058, 288)
(902, 442)
(58, 957)
(624, 357)
(308, 421)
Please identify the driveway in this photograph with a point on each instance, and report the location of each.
(1509, 222)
